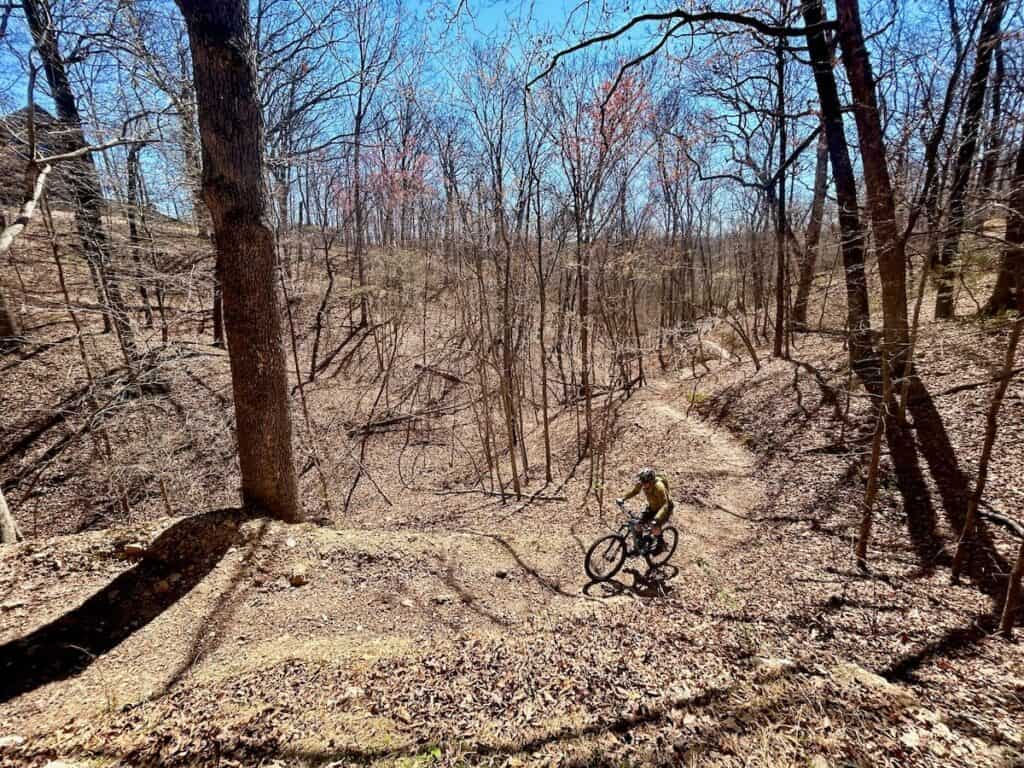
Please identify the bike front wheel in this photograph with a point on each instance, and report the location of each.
(669, 539)
(605, 557)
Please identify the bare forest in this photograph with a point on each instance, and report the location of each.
(481, 382)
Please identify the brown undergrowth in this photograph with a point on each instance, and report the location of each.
(451, 627)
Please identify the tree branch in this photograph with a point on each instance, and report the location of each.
(42, 168)
(685, 17)
(28, 210)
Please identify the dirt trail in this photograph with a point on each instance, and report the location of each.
(714, 466)
(455, 630)
(461, 624)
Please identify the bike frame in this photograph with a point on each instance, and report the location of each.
(630, 531)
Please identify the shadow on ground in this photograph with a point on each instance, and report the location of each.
(176, 561)
(650, 584)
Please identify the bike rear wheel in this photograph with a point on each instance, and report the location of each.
(670, 539)
(605, 557)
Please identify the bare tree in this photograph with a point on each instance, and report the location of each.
(812, 237)
(234, 188)
(863, 359)
(376, 40)
(84, 179)
(988, 40)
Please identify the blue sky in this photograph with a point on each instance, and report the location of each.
(519, 23)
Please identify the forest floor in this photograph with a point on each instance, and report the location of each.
(459, 630)
(145, 622)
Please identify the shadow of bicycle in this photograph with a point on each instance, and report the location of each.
(652, 584)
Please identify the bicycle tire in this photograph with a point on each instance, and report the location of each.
(670, 536)
(611, 549)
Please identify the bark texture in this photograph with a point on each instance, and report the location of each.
(230, 126)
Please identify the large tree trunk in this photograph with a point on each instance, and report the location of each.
(889, 246)
(988, 39)
(1009, 289)
(813, 235)
(863, 359)
(230, 126)
(85, 181)
(932, 438)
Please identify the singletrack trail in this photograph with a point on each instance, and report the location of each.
(450, 620)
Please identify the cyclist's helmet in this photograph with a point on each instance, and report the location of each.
(646, 475)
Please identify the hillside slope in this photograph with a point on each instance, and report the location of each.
(463, 632)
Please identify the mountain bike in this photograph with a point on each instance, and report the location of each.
(607, 555)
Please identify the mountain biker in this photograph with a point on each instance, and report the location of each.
(659, 504)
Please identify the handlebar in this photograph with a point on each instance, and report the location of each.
(631, 517)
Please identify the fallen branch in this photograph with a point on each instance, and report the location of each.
(438, 372)
(972, 385)
(535, 497)
(603, 391)
(378, 426)
(383, 424)
(708, 503)
(1013, 526)
(28, 209)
